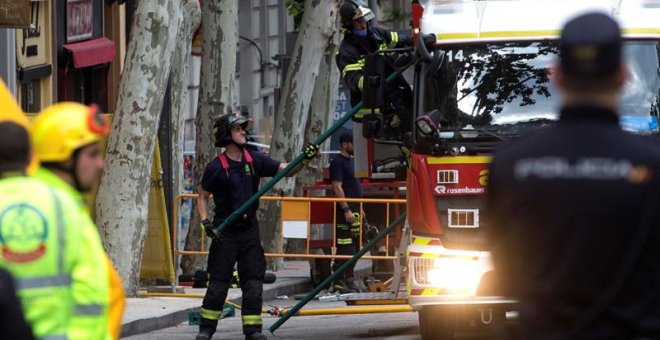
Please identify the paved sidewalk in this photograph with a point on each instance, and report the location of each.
(148, 314)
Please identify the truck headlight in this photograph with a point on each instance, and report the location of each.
(451, 274)
(455, 275)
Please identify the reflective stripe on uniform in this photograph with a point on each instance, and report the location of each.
(344, 241)
(59, 280)
(44, 282)
(61, 238)
(361, 83)
(358, 66)
(252, 320)
(366, 111)
(53, 337)
(87, 309)
(209, 314)
(394, 36)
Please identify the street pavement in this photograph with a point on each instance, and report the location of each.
(147, 314)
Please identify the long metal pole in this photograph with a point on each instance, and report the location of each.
(354, 310)
(299, 158)
(334, 275)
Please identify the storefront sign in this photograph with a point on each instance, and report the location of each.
(79, 18)
(14, 13)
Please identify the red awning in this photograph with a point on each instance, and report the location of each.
(92, 52)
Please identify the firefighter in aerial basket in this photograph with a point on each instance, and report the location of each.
(361, 37)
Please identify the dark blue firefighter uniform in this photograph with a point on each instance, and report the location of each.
(240, 242)
(342, 169)
(576, 228)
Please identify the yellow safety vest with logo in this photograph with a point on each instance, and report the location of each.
(56, 268)
(109, 293)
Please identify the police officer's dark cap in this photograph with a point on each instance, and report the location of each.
(590, 45)
(346, 137)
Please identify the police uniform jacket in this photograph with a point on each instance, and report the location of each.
(575, 228)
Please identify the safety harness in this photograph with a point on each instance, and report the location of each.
(225, 163)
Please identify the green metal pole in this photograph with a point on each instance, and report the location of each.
(299, 158)
(341, 269)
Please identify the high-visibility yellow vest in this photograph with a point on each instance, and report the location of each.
(56, 258)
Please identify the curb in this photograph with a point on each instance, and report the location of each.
(147, 325)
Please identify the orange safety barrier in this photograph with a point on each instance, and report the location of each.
(296, 210)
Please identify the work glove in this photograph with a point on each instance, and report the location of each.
(310, 150)
(370, 231)
(234, 282)
(355, 226)
(429, 40)
(209, 229)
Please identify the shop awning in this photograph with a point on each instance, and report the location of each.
(92, 52)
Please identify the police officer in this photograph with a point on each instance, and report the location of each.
(361, 37)
(45, 248)
(233, 177)
(574, 206)
(348, 215)
(67, 139)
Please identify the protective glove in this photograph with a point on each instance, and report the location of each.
(209, 229)
(355, 226)
(234, 282)
(310, 150)
(429, 40)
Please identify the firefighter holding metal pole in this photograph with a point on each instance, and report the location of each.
(233, 177)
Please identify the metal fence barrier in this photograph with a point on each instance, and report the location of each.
(291, 210)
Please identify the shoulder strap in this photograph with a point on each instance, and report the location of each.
(225, 163)
(248, 157)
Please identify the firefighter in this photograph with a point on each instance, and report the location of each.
(233, 177)
(575, 206)
(348, 215)
(67, 140)
(361, 37)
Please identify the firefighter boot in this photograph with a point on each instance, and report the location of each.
(342, 287)
(256, 336)
(204, 335)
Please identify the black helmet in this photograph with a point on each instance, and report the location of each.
(223, 125)
(351, 10)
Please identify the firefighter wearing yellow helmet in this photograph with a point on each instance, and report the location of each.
(67, 141)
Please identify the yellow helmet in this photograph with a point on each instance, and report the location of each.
(62, 128)
(10, 111)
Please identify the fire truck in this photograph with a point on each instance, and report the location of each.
(485, 82)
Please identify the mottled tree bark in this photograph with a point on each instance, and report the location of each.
(191, 18)
(317, 31)
(321, 112)
(124, 189)
(219, 22)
